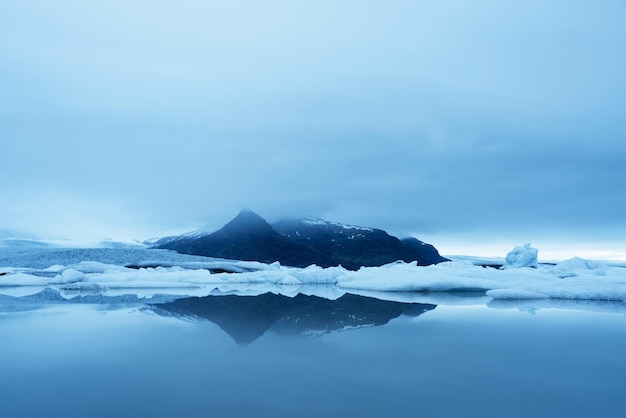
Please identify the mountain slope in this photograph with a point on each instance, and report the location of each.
(427, 252)
(303, 242)
(353, 246)
(249, 237)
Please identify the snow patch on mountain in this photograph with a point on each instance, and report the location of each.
(321, 222)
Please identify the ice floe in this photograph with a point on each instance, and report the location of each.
(157, 271)
(575, 279)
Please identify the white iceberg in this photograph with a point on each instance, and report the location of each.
(522, 256)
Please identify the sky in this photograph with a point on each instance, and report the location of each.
(474, 126)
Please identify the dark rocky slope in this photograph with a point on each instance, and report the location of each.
(300, 243)
(248, 237)
(353, 246)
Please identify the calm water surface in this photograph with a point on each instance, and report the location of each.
(309, 358)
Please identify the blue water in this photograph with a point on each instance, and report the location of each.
(78, 360)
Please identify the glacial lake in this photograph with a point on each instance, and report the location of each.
(305, 356)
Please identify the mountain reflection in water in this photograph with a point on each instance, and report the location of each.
(246, 318)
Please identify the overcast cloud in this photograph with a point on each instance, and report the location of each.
(463, 123)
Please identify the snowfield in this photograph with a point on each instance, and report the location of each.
(160, 271)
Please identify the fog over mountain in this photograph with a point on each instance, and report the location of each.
(474, 126)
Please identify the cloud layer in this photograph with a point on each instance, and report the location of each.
(492, 120)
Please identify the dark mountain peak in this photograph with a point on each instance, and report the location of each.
(248, 212)
(247, 221)
(250, 237)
